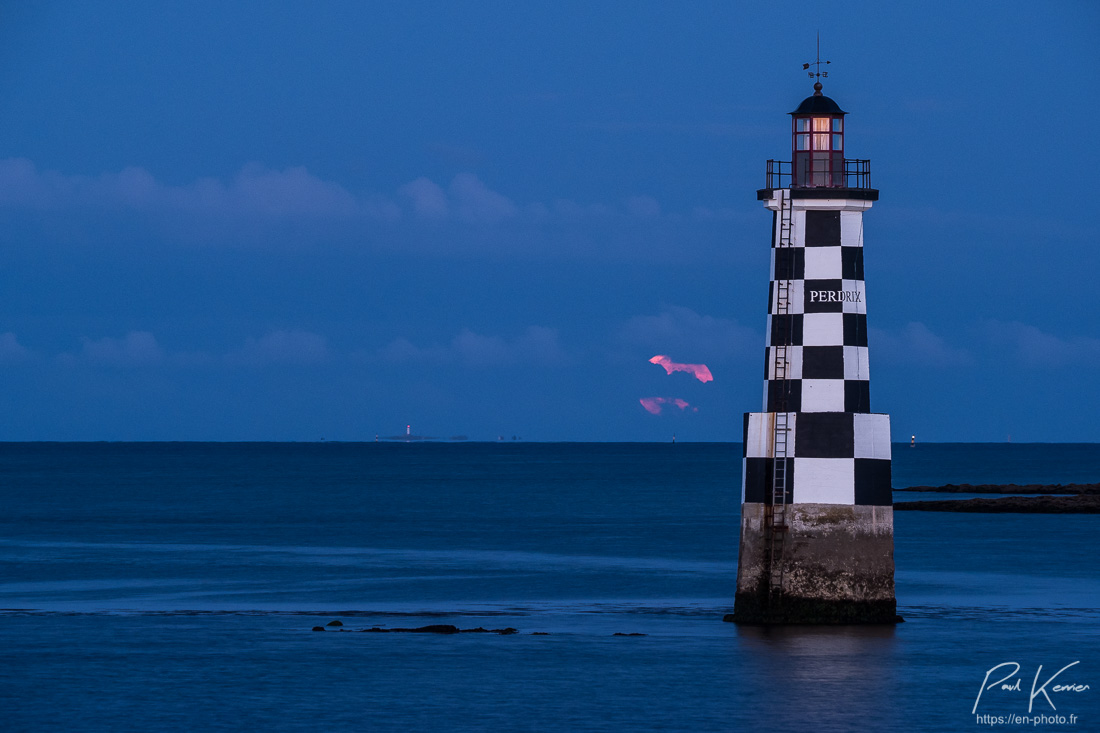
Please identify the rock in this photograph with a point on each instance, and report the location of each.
(1080, 504)
(440, 629)
(540, 633)
(619, 633)
(337, 622)
(318, 628)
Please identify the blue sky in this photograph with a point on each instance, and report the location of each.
(263, 221)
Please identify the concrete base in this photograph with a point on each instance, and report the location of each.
(838, 563)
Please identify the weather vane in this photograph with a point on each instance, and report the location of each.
(818, 63)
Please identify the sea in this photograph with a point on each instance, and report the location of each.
(176, 586)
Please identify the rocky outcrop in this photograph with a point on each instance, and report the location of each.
(1081, 504)
(430, 629)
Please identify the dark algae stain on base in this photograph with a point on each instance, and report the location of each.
(756, 609)
(837, 567)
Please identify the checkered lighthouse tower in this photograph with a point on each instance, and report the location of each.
(817, 526)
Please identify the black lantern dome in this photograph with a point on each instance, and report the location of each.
(818, 104)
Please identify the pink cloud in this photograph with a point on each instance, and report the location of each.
(701, 372)
(652, 405)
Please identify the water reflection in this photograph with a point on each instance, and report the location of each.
(822, 677)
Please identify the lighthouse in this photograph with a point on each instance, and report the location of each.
(817, 525)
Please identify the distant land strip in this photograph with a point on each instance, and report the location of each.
(1091, 489)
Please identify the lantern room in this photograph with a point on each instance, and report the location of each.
(817, 145)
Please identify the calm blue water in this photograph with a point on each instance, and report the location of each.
(173, 587)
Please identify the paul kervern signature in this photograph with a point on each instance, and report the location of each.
(1012, 683)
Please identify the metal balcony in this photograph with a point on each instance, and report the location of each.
(822, 173)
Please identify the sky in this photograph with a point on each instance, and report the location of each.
(331, 220)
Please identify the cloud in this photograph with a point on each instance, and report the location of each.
(403, 351)
(254, 191)
(291, 192)
(915, 345)
(258, 192)
(11, 351)
(570, 211)
(283, 347)
(643, 207)
(429, 201)
(475, 202)
(699, 371)
(1036, 348)
(140, 348)
(653, 405)
(137, 348)
(536, 345)
(678, 329)
(467, 199)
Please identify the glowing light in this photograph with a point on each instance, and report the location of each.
(652, 405)
(700, 371)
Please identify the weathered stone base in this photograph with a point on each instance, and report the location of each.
(838, 563)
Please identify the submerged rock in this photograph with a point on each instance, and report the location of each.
(1080, 504)
(440, 629)
(434, 629)
(318, 628)
(336, 622)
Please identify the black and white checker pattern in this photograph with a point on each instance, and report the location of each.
(825, 319)
(832, 458)
(838, 452)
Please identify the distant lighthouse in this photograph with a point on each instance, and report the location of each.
(817, 523)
